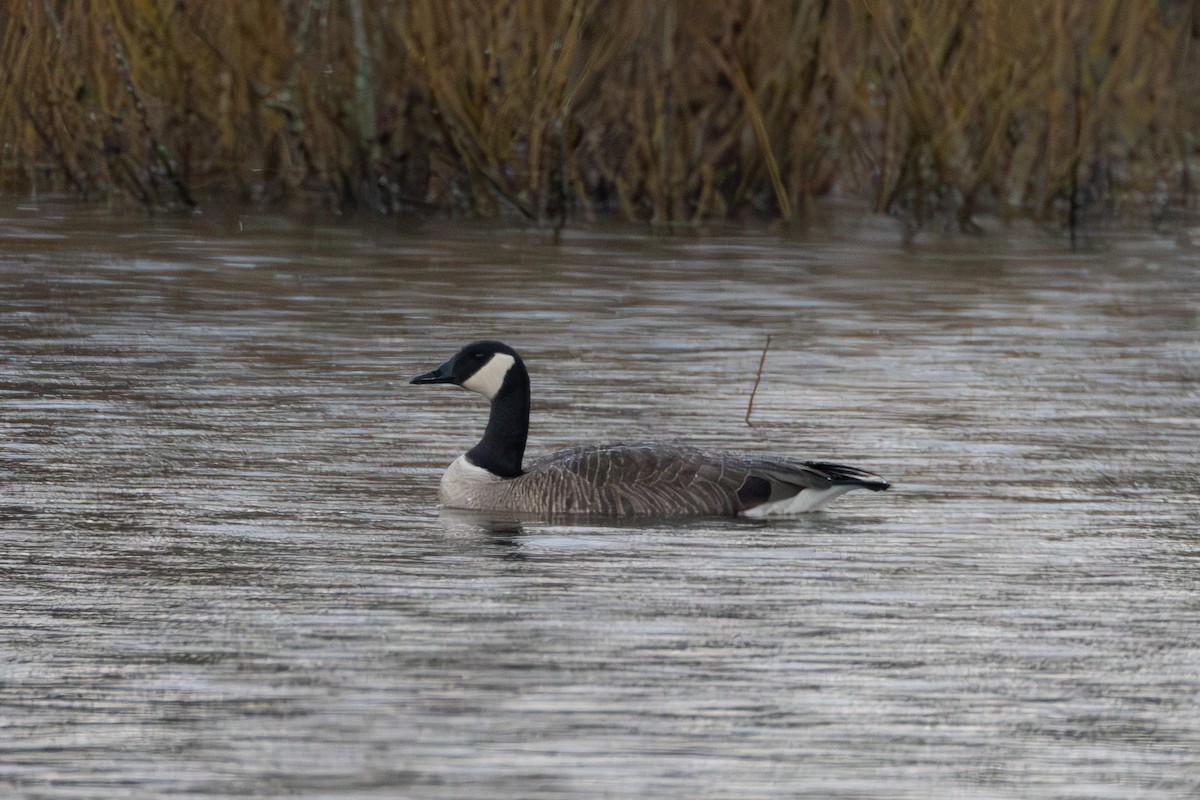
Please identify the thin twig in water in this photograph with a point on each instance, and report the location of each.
(757, 379)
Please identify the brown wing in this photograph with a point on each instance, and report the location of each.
(632, 480)
(655, 479)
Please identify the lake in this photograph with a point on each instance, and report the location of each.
(225, 572)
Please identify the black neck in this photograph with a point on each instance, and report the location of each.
(503, 444)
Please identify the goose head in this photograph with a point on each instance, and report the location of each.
(485, 367)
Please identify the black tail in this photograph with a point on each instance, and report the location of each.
(841, 475)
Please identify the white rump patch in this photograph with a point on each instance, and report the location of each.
(490, 377)
(806, 500)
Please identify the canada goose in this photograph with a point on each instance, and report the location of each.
(615, 479)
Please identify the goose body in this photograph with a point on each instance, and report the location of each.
(616, 479)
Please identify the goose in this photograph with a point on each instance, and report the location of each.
(656, 480)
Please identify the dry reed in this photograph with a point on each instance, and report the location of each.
(666, 111)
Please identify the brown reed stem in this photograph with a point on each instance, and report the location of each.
(364, 78)
(757, 379)
(1077, 147)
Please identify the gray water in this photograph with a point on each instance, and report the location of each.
(224, 572)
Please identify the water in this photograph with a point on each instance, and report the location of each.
(224, 574)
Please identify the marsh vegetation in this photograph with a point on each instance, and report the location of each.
(667, 112)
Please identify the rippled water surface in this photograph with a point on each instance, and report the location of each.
(224, 572)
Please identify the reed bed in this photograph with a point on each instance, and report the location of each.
(664, 111)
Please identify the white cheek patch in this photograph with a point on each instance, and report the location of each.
(490, 377)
